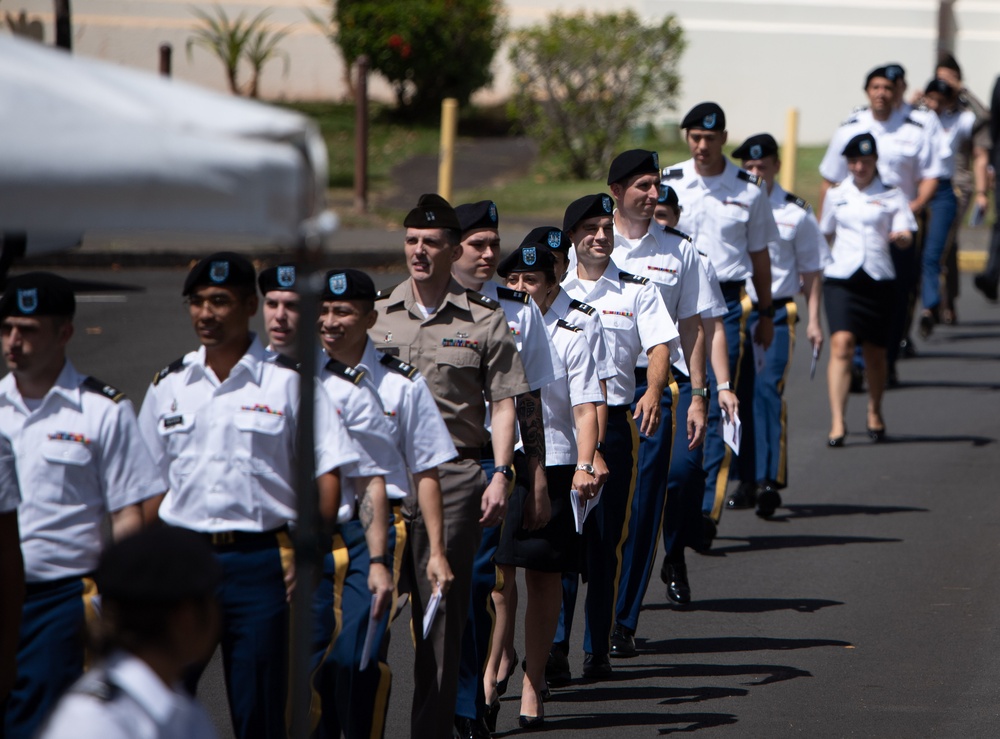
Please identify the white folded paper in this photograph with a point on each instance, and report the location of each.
(582, 508)
(366, 650)
(431, 611)
(731, 433)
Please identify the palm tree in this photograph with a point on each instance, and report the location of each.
(233, 40)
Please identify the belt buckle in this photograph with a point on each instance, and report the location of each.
(223, 538)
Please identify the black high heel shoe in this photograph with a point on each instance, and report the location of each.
(836, 442)
(502, 684)
(490, 715)
(877, 435)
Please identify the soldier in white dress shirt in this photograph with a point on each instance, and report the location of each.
(79, 459)
(11, 571)
(797, 261)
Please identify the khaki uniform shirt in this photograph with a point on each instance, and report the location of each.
(464, 350)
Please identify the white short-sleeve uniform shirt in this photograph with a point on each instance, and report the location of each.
(227, 448)
(528, 329)
(727, 216)
(861, 221)
(578, 385)
(10, 492)
(78, 456)
(635, 319)
(420, 433)
(586, 317)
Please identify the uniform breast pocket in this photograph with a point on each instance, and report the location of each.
(457, 356)
(667, 276)
(733, 222)
(263, 440)
(618, 322)
(260, 422)
(71, 453)
(68, 467)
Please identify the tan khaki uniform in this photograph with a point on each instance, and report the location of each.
(467, 355)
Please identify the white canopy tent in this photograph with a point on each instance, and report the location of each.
(88, 146)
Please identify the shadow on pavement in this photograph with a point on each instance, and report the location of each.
(952, 356)
(750, 605)
(585, 721)
(924, 438)
(720, 644)
(762, 543)
(821, 510)
(949, 337)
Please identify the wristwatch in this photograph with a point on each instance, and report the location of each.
(700, 391)
(723, 386)
(767, 312)
(506, 470)
(379, 560)
(588, 468)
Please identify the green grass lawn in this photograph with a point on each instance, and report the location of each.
(540, 196)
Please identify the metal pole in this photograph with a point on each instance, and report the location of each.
(449, 121)
(790, 151)
(361, 137)
(166, 54)
(64, 26)
(945, 29)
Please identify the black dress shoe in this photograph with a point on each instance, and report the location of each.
(986, 286)
(557, 668)
(531, 723)
(768, 499)
(906, 349)
(502, 684)
(877, 435)
(622, 643)
(490, 714)
(596, 666)
(744, 496)
(467, 728)
(836, 442)
(678, 589)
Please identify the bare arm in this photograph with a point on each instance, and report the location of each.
(12, 586)
(718, 354)
(980, 175)
(538, 510)
(126, 521)
(328, 486)
(762, 284)
(647, 408)
(925, 191)
(504, 416)
(585, 418)
(600, 466)
(373, 512)
(693, 343)
(431, 511)
(151, 509)
(812, 285)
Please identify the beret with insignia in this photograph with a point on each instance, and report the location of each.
(348, 284)
(473, 216)
(705, 116)
(552, 237)
(861, 145)
(940, 87)
(668, 196)
(631, 163)
(589, 206)
(757, 147)
(158, 565)
(281, 277)
(528, 258)
(38, 294)
(432, 211)
(222, 269)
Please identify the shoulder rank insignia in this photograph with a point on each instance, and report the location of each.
(101, 388)
(634, 279)
(398, 365)
(568, 326)
(672, 174)
(582, 307)
(287, 362)
(751, 178)
(97, 686)
(480, 299)
(916, 123)
(848, 121)
(384, 292)
(702, 253)
(790, 198)
(675, 232)
(174, 366)
(516, 295)
(339, 369)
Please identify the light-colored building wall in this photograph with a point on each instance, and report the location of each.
(757, 58)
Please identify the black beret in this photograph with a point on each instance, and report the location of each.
(895, 71)
(477, 215)
(706, 116)
(633, 162)
(527, 259)
(348, 284)
(222, 269)
(549, 236)
(589, 206)
(861, 145)
(939, 86)
(281, 277)
(891, 72)
(757, 147)
(160, 564)
(432, 211)
(38, 294)
(668, 196)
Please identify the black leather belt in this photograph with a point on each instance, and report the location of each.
(241, 538)
(778, 302)
(474, 453)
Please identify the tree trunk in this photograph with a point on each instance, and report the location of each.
(64, 29)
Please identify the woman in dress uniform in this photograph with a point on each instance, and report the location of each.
(861, 218)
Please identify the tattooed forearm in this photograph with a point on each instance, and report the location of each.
(366, 507)
(529, 420)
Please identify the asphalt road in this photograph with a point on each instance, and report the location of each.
(867, 607)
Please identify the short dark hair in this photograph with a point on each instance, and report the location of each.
(947, 61)
(452, 236)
